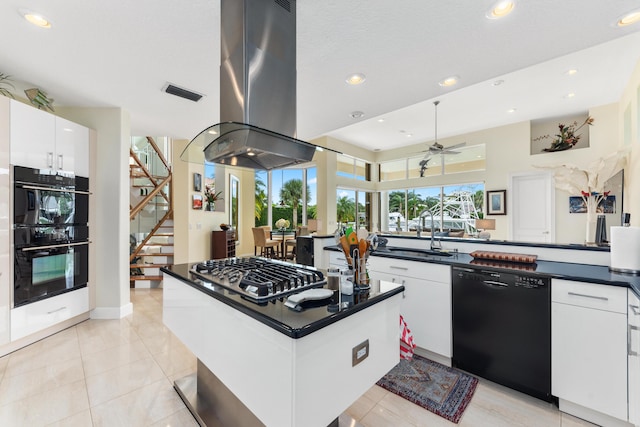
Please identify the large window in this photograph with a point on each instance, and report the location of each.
(285, 193)
(454, 207)
(350, 167)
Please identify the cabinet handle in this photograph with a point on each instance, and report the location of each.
(60, 161)
(50, 159)
(588, 296)
(56, 310)
(398, 268)
(635, 309)
(629, 329)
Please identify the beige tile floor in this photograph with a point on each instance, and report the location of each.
(120, 373)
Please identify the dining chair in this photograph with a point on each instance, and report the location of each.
(266, 245)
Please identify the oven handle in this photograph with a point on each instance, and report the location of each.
(63, 245)
(36, 187)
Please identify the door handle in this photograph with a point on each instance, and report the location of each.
(398, 268)
(494, 283)
(60, 160)
(635, 309)
(629, 337)
(50, 159)
(588, 296)
(545, 232)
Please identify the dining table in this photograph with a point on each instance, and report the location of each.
(283, 235)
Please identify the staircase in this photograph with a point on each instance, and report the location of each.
(151, 212)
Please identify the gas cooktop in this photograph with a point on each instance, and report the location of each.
(259, 279)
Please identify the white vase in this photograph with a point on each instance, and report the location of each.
(590, 236)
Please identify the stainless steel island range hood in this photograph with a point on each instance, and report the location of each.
(257, 90)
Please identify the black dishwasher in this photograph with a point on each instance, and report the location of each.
(502, 328)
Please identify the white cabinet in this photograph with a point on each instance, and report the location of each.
(426, 305)
(43, 141)
(40, 315)
(589, 347)
(5, 191)
(633, 354)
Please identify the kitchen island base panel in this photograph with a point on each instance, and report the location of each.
(213, 405)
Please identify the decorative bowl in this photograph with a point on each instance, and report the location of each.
(225, 227)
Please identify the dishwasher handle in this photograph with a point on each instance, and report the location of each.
(495, 283)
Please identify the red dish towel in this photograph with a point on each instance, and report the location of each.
(406, 341)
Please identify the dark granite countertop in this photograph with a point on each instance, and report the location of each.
(561, 270)
(279, 317)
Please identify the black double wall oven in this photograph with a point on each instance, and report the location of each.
(51, 234)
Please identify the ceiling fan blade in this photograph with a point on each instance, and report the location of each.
(447, 151)
(452, 147)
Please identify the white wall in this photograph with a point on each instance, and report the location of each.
(110, 233)
(631, 98)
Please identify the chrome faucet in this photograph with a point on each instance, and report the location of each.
(422, 216)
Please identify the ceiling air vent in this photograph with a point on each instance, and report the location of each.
(182, 93)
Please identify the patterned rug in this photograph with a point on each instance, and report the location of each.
(442, 390)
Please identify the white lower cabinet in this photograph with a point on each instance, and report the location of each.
(426, 303)
(40, 315)
(633, 354)
(589, 348)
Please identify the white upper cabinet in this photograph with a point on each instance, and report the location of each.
(72, 147)
(44, 141)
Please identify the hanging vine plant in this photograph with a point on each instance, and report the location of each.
(4, 83)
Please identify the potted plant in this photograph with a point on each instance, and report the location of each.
(211, 196)
(5, 82)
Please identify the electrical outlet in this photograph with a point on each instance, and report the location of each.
(359, 353)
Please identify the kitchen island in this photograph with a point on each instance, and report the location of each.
(266, 364)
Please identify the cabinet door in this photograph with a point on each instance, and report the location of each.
(72, 147)
(426, 308)
(589, 358)
(33, 135)
(634, 358)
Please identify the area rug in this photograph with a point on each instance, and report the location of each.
(437, 388)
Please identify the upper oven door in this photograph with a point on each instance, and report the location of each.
(38, 204)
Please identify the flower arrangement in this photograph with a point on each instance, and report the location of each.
(5, 80)
(211, 195)
(567, 137)
(282, 223)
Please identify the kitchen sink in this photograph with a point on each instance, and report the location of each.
(417, 252)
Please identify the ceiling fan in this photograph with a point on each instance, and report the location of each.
(436, 147)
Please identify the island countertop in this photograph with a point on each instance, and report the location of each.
(279, 317)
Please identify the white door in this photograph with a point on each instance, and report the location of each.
(33, 134)
(72, 147)
(532, 207)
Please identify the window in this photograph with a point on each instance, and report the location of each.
(350, 167)
(454, 207)
(285, 193)
(467, 159)
(353, 208)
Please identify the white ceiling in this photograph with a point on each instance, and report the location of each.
(120, 53)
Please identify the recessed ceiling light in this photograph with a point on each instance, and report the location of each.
(628, 19)
(356, 114)
(571, 72)
(497, 82)
(409, 135)
(500, 10)
(356, 79)
(511, 110)
(570, 95)
(35, 18)
(449, 81)
(380, 120)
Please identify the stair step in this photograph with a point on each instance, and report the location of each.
(145, 277)
(147, 265)
(157, 254)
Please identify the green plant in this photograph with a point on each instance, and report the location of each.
(567, 137)
(5, 81)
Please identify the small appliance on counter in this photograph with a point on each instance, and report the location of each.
(625, 250)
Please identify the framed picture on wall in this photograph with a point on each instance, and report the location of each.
(197, 201)
(497, 202)
(197, 182)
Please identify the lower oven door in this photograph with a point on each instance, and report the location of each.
(44, 271)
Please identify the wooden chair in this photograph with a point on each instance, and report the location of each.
(260, 240)
(301, 230)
